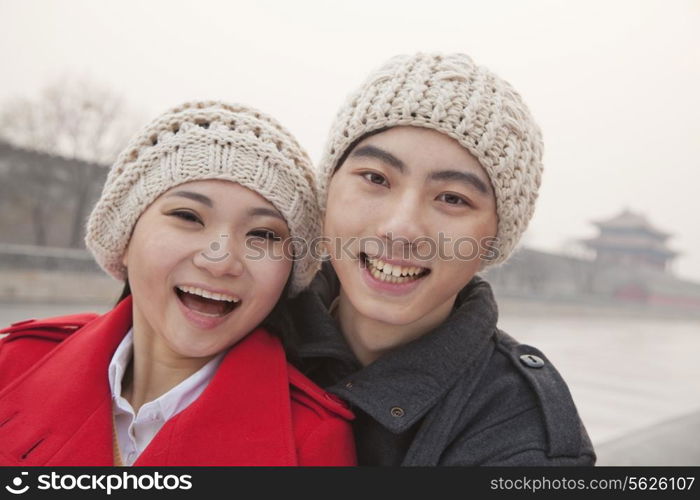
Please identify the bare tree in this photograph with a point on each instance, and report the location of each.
(29, 192)
(76, 120)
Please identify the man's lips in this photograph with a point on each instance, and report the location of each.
(395, 262)
(391, 268)
(384, 281)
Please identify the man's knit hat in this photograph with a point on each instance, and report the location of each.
(451, 94)
(206, 140)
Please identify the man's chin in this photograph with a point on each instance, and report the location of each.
(382, 311)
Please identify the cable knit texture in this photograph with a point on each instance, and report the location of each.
(451, 94)
(206, 140)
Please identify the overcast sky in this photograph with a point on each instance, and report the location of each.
(614, 84)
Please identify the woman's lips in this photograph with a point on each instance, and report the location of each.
(200, 318)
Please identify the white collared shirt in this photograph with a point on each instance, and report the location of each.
(134, 432)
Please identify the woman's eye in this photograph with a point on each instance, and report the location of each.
(186, 215)
(266, 234)
(375, 178)
(452, 199)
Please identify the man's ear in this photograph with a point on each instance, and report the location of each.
(324, 249)
(484, 260)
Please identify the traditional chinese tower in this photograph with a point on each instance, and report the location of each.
(629, 239)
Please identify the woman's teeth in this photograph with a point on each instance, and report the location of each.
(394, 274)
(205, 302)
(208, 295)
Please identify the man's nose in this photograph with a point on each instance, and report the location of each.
(402, 222)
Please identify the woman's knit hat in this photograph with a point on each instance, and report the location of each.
(451, 94)
(207, 140)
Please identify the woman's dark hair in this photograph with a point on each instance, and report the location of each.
(276, 318)
(126, 291)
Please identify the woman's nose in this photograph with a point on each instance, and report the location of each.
(220, 257)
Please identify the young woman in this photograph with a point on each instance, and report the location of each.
(195, 216)
(431, 173)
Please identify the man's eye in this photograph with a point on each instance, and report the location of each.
(266, 234)
(452, 199)
(375, 178)
(186, 215)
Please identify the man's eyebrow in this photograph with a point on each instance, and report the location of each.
(370, 151)
(194, 196)
(459, 176)
(264, 211)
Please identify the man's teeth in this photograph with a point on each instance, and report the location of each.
(208, 295)
(381, 269)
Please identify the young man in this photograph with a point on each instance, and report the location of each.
(431, 174)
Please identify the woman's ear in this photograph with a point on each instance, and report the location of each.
(324, 246)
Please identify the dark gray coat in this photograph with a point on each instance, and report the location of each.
(464, 394)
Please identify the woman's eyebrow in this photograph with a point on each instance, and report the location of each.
(464, 177)
(370, 151)
(264, 211)
(194, 196)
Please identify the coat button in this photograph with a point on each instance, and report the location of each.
(532, 361)
(397, 412)
(348, 385)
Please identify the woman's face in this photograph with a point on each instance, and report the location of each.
(414, 209)
(205, 264)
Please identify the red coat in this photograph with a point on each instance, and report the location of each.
(56, 405)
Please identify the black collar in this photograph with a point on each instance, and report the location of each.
(401, 386)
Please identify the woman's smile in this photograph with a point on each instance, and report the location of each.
(204, 307)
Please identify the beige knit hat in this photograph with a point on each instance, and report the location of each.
(451, 94)
(206, 140)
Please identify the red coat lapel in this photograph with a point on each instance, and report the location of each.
(242, 418)
(60, 412)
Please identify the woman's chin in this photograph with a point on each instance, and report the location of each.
(190, 349)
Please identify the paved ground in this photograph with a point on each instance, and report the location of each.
(674, 442)
(636, 381)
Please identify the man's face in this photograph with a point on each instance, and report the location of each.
(413, 208)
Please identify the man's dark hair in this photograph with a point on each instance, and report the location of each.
(354, 144)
